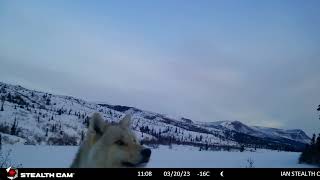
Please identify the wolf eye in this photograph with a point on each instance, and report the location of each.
(120, 143)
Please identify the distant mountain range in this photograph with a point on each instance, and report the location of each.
(33, 117)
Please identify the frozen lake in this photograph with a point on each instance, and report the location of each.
(162, 157)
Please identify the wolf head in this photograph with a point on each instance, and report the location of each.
(113, 145)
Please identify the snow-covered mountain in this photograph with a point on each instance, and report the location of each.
(263, 132)
(33, 117)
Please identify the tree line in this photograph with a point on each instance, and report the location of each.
(311, 154)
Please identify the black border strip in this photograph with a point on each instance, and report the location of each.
(220, 173)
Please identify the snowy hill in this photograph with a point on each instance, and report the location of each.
(33, 117)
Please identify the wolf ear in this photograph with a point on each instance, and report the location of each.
(97, 124)
(126, 121)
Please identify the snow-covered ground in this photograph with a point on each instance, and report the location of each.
(177, 157)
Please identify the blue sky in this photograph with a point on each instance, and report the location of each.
(253, 61)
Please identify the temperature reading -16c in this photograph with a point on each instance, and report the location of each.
(204, 173)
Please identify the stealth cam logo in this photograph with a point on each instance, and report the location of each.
(12, 173)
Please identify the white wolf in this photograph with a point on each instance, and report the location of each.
(110, 146)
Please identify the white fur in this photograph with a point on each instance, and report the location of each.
(109, 146)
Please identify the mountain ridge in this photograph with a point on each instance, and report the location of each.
(45, 118)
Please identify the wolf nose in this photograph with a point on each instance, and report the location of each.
(146, 153)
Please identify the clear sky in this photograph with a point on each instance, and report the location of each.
(208, 60)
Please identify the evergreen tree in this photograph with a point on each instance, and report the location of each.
(52, 128)
(170, 143)
(59, 111)
(2, 100)
(0, 142)
(318, 110)
(242, 148)
(48, 102)
(318, 142)
(86, 121)
(9, 97)
(14, 127)
(82, 136)
(313, 140)
(206, 146)
(311, 153)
